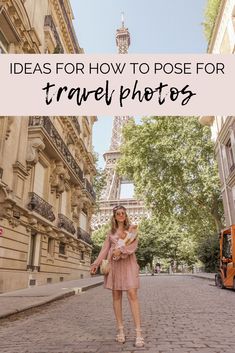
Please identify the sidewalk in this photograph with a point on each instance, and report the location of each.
(24, 299)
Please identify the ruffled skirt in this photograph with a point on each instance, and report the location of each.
(123, 274)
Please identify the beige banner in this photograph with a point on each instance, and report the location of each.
(117, 84)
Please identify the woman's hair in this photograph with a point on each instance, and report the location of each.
(114, 223)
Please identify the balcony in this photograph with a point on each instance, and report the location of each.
(59, 145)
(83, 235)
(90, 189)
(76, 124)
(50, 23)
(37, 204)
(66, 223)
(54, 137)
(231, 168)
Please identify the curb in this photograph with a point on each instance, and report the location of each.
(69, 293)
(36, 305)
(203, 277)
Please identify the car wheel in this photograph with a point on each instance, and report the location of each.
(219, 281)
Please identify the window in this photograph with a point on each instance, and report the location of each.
(83, 220)
(64, 203)
(82, 255)
(227, 249)
(32, 249)
(34, 252)
(230, 158)
(50, 246)
(62, 248)
(1, 49)
(4, 45)
(233, 18)
(39, 180)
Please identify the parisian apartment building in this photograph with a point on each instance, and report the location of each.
(46, 164)
(223, 127)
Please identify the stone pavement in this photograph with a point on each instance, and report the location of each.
(203, 275)
(24, 299)
(180, 314)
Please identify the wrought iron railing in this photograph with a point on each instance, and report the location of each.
(232, 167)
(83, 235)
(45, 122)
(37, 204)
(50, 23)
(66, 223)
(76, 124)
(90, 189)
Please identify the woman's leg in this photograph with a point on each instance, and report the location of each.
(117, 306)
(134, 304)
(135, 309)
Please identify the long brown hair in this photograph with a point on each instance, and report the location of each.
(114, 223)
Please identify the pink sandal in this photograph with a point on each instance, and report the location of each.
(120, 335)
(139, 340)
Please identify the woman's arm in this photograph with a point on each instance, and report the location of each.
(129, 249)
(102, 255)
(128, 245)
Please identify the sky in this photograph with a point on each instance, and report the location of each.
(155, 26)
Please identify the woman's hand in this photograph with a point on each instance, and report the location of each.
(116, 252)
(93, 269)
(132, 228)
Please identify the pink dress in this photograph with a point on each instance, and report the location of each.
(124, 272)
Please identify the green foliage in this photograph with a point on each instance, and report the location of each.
(98, 237)
(99, 179)
(211, 13)
(171, 161)
(208, 252)
(166, 241)
(147, 247)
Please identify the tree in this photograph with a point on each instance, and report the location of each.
(211, 12)
(166, 241)
(147, 247)
(208, 252)
(171, 161)
(99, 179)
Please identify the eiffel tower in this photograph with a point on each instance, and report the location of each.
(111, 194)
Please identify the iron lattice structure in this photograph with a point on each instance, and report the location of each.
(110, 195)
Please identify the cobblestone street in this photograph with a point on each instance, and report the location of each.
(180, 314)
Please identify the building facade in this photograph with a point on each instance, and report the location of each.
(46, 164)
(223, 127)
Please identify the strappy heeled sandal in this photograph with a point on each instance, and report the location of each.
(139, 340)
(120, 335)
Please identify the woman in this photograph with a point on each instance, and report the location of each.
(124, 271)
